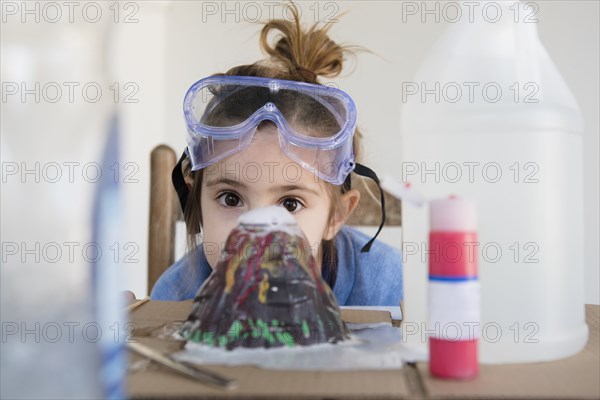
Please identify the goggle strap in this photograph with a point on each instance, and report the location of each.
(369, 173)
(179, 182)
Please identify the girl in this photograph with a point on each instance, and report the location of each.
(269, 134)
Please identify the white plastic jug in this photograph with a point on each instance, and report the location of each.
(489, 117)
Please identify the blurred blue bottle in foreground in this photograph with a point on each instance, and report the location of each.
(51, 146)
(106, 275)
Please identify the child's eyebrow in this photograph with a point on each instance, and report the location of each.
(225, 181)
(276, 188)
(289, 188)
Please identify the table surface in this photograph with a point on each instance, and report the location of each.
(532, 380)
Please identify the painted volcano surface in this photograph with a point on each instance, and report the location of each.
(266, 291)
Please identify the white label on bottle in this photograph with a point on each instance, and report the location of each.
(454, 309)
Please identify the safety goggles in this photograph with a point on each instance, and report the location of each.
(316, 123)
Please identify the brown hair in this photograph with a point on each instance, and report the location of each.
(298, 55)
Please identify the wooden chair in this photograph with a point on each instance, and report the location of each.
(165, 211)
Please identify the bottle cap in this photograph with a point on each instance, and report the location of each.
(453, 214)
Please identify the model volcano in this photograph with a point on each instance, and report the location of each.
(266, 291)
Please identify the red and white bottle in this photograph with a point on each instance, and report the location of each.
(454, 296)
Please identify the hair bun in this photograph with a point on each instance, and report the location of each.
(305, 54)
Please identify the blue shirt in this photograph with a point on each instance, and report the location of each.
(363, 279)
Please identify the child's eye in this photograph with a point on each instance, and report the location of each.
(292, 204)
(229, 199)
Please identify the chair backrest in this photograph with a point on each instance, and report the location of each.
(165, 211)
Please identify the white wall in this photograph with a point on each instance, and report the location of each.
(176, 43)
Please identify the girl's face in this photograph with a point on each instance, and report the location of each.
(260, 176)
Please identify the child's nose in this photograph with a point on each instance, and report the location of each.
(272, 215)
(260, 202)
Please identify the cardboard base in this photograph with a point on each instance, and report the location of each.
(573, 377)
(154, 381)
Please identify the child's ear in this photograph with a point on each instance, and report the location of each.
(348, 203)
